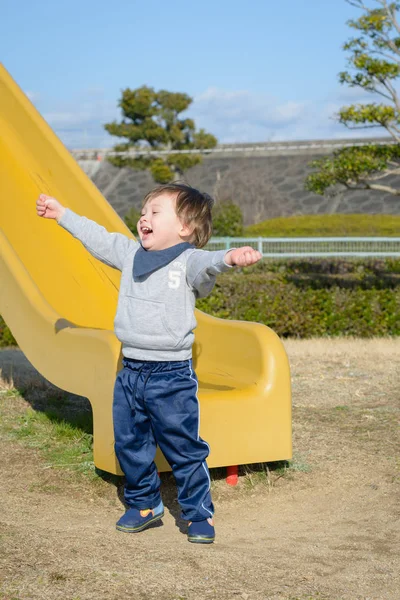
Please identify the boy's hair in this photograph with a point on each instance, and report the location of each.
(192, 207)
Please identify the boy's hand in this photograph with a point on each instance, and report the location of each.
(243, 257)
(49, 207)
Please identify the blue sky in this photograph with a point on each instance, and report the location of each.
(260, 70)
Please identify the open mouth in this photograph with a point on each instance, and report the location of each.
(146, 230)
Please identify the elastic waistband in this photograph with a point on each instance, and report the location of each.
(154, 366)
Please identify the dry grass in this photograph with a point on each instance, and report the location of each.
(350, 372)
(327, 528)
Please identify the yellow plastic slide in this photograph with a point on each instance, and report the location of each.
(59, 303)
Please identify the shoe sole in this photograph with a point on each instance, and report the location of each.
(200, 540)
(140, 527)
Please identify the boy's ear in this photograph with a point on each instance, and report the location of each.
(186, 229)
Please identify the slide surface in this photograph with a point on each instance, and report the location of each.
(60, 302)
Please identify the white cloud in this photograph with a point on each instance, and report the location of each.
(232, 115)
(226, 106)
(60, 119)
(243, 116)
(82, 125)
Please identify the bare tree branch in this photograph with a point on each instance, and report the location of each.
(375, 90)
(387, 56)
(357, 4)
(364, 185)
(384, 174)
(383, 37)
(392, 16)
(382, 188)
(392, 91)
(393, 132)
(391, 45)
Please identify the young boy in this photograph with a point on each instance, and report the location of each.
(155, 394)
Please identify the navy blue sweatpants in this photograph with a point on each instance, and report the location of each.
(155, 403)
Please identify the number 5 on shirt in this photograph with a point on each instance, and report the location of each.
(174, 279)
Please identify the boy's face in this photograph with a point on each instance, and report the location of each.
(159, 226)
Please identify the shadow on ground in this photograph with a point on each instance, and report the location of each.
(63, 407)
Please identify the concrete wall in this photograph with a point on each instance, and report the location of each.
(265, 184)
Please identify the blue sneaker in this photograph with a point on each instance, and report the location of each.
(135, 520)
(201, 532)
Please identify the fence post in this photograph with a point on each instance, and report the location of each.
(227, 243)
(260, 245)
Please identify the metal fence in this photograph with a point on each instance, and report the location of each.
(313, 247)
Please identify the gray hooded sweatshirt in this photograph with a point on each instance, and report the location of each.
(155, 313)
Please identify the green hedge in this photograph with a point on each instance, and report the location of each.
(227, 220)
(318, 298)
(306, 298)
(327, 225)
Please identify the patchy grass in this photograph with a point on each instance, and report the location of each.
(59, 427)
(268, 474)
(61, 443)
(49, 421)
(345, 398)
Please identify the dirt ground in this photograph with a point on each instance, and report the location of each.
(326, 529)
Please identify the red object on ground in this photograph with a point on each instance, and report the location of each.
(232, 475)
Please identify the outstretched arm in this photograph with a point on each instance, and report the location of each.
(110, 248)
(204, 266)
